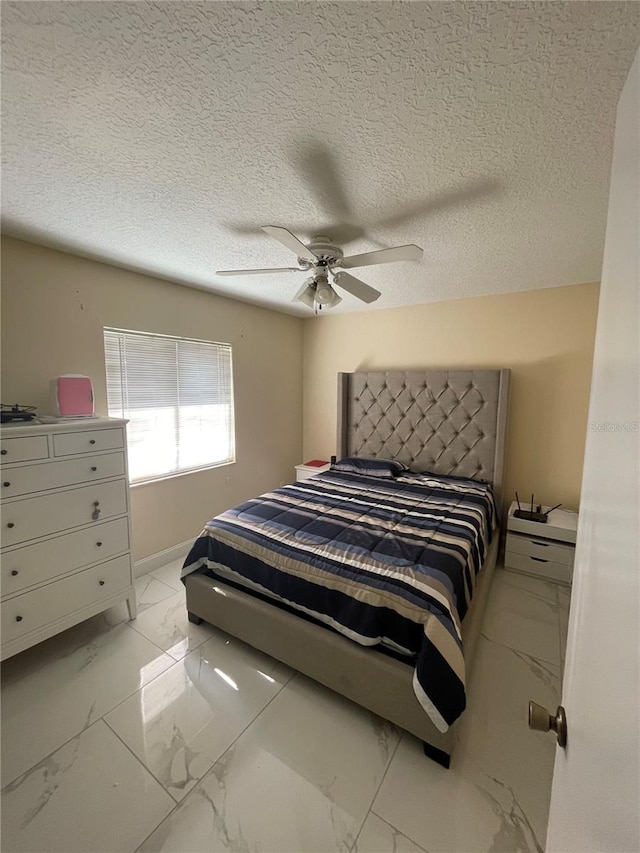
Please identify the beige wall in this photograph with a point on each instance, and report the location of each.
(546, 337)
(54, 307)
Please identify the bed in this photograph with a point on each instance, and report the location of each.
(450, 423)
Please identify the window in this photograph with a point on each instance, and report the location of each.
(178, 397)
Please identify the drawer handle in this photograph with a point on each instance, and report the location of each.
(99, 544)
(94, 468)
(10, 525)
(95, 515)
(6, 484)
(541, 544)
(92, 441)
(101, 583)
(538, 559)
(18, 618)
(4, 452)
(14, 572)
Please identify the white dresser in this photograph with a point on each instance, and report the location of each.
(65, 527)
(544, 550)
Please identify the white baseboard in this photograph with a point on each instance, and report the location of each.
(155, 561)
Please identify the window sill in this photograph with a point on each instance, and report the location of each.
(164, 477)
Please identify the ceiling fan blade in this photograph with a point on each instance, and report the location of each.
(258, 272)
(286, 238)
(383, 256)
(356, 287)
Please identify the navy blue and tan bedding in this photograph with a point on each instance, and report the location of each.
(383, 561)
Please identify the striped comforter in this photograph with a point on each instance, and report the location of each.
(382, 561)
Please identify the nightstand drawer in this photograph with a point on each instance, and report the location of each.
(69, 443)
(37, 608)
(44, 561)
(532, 546)
(24, 449)
(539, 566)
(63, 472)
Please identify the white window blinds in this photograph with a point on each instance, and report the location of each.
(178, 397)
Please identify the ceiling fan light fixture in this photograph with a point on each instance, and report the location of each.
(306, 294)
(326, 296)
(323, 289)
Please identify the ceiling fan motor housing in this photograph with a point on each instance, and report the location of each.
(325, 252)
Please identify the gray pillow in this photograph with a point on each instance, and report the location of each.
(369, 466)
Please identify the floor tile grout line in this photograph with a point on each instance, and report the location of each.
(126, 624)
(104, 714)
(176, 803)
(102, 718)
(175, 662)
(377, 791)
(218, 759)
(49, 754)
(164, 566)
(153, 577)
(140, 634)
(147, 610)
(395, 828)
(86, 728)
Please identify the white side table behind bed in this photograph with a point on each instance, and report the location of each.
(543, 550)
(303, 472)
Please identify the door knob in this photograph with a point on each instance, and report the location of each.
(541, 721)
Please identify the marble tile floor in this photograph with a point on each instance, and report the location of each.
(159, 735)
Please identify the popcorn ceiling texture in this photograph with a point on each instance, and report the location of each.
(159, 136)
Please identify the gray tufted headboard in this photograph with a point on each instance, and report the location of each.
(445, 421)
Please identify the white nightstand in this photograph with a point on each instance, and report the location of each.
(543, 550)
(303, 472)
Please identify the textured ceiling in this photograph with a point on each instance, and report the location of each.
(160, 136)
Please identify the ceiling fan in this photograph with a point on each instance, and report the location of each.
(322, 259)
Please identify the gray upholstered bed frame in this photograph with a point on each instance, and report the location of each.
(445, 421)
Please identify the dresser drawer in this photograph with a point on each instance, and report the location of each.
(37, 608)
(34, 564)
(87, 441)
(546, 569)
(63, 472)
(34, 517)
(24, 449)
(532, 546)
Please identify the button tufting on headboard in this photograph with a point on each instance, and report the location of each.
(446, 421)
